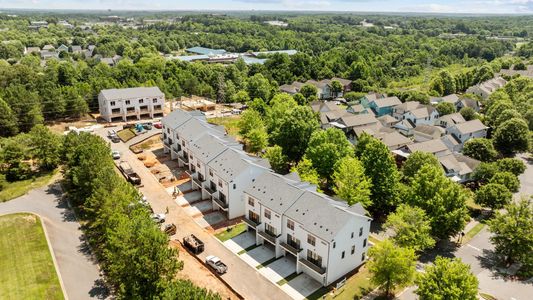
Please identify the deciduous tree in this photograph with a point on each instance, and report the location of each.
(481, 149)
(411, 227)
(416, 160)
(326, 148)
(445, 108)
(508, 179)
(493, 195)
(512, 136)
(351, 183)
(276, 158)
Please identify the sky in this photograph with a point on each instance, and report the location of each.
(432, 6)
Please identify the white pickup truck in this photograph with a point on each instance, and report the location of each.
(217, 265)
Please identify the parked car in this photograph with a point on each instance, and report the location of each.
(126, 126)
(194, 244)
(158, 125)
(147, 126)
(115, 154)
(215, 263)
(170, 229)
(111, 133)
(158, 218)
(115, 139)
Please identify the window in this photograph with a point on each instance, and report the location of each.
(290, 224)
(190, 157)
(183, 143)
(364, 243)
(210, 172)
(311, 240)
(363, 256)
(197, 164)
(141, 101)
(361, 231)
(334, 244)
(251, 201)
(342, 255)
(291, 240)
(314, 258)
(353, 249)
(352, 235)
(154, 100)
(270, 230)
(253, 216)
(220, 183)
(128, 102)
(267, 214)
(234, 186)
(112, 103)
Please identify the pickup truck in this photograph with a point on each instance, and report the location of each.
(193, 244)
(217, 265)
(128, 172)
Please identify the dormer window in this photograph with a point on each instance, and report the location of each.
(141, 101)
(112, 103)
(128, 102)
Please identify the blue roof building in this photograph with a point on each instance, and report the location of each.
(205, 51)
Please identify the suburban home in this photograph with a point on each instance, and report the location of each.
(422, 133)
(292, 88)
(435, 147)
(62, 48)
(48, 47)
(394, 140)
(400, 110)
(357, 109)
(405, 127)
(486, 88)
(457, 102)
(453, 144)
(466, 102)
(45, 54)
(323, 88)
(346, 84)
(328, 112)
(425, 114)
(388, 120)
(459, 167)
(326, 238)
(131, 103)
(76, 49)
(31, 50)
(450, 120)
(384, 106)
(467, 130)
(351, 122)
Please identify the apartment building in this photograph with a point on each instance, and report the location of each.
(326, 238)
(131, 103)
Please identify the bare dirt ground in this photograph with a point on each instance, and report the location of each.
(60, 127)
(196, 272)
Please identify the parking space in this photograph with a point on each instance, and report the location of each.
(241, 242)
(301, 286)
(258, 255)
(279, 269)
(199, 208)
(210, 219)
(192, 197)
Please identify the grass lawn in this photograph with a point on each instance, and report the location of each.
(28, 271)
(472, 233)
(230, 123)
(126, 134)
(232, 232)
(355, 287)
(18, 188)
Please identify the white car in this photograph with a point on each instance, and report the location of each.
(158, 218)
(115, 154)
(217, 265)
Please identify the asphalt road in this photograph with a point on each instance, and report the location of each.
(240, 276)
(79, 273)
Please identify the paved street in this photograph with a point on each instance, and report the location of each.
(526, 179)
(242, 277)
(79, 273)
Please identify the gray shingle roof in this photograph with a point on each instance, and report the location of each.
(193, 129)
(388, 101)
(138, 92)
(470, 126)
(176, 118)
(229, 164)
(274, 192)
(207, 147)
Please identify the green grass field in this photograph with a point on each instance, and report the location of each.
(126, 134)
(16, 189)
(232, 232)
(355, 287)
(27, 269)
(230, 123)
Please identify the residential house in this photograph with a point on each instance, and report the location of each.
(292, 88)
(323, 88)
(459, 167)
(450, 120)
(424, 133)
(45, 54)
(62, 48)
(326, 238)
(435, 147)
(394, 140)
(328, 112)
(400, 110)
(384, 106)
(31, 50)
(388, 120)
(466, 102)
(48, 48)
(346, 84)
(351, 122)
(76, 49)
(453, 144)
(467, 130)
(405, 127)
(424, 115)
(358, 109)
(486, 88)
(131, 103)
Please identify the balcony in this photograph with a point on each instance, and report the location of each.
(268, 236)
(313, 267)
(144, 109)
(209, 190)
(131, 112)
(176, 149)
(252, 223)
(294, 249)
(116, 112)
(183, 159)
(220, 203)
(196, 181)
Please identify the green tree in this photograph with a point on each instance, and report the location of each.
(308, 90)
(416, 160)
(276, 158)
(493, 195)
(258, 105)
(380, 168)
(240, 97)
(307, 173)
(512, 136)
(513, 165)
(336, 88)
(447, 279)
(13, 155)
(508, 179)
(326, 148)
(513, 233)
(504, 116)
(468, 113)
(294, 131)
(411, 227)
(481, 149)
(250, 119)
(443, 200)
(391, 266)
(257, 139)
(8, 120)
(259, 87)
(46, 147)
(445, 108)
(485, 171)
(351, 183)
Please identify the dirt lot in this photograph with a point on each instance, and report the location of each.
(196, 272)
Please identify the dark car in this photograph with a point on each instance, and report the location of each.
(147, 126)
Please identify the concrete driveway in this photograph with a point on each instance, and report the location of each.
(77, 269)
(279, 269)
(241, 242)
(258, 255)
(301, 286)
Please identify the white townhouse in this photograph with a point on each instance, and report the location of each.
(326, 238)
(425, 114)
(467, 130)
(131, 103)
(450, 120)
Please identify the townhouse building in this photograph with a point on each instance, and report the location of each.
(325, 238)
(384, 106)
(131, 103)
(467, 130)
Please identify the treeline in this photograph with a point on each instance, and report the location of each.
(132, 251)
